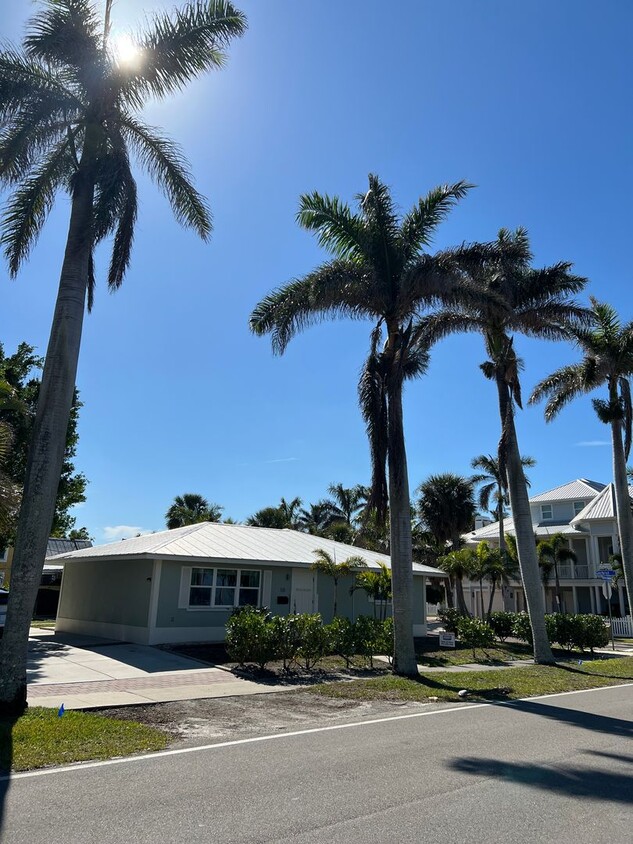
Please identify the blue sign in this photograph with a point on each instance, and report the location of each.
(605, 574)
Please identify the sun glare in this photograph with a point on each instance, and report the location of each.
(125, 50)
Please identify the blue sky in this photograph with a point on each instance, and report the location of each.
(530, 101)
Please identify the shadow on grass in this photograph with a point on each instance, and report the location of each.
(566, 780)
(6, 759)
(303, 677)
(569, 668)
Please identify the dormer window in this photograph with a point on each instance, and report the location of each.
(579, 506)
(546, 513)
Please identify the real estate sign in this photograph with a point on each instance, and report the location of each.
(447, 640)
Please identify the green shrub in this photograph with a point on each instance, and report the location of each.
(502, 623)
(450, 619)
(342, 638)
(312, 637)
(249, 637)
(475, 633)
(521, 627)
(592, 632)
(285, 636)
(385, 641)
(369, 637)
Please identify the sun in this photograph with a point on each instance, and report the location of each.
(125, 50)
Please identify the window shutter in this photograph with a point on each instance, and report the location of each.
(185, 583)
(266, 588)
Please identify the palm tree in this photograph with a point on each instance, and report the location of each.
(378, 272)
(607, 349)
(377, 586)
(457, 565)
(317, 518)
(446, 505)
(69, 109)
(190, 509)
(552, 553)
(9, 495)
(269, 517)
(348, 502)
(325, 563)
(535, 302)
(495, 489)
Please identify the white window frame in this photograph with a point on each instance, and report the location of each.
(579, 506)
(222, 607)
(550, 508)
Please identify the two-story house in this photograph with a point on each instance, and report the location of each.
(584, 512)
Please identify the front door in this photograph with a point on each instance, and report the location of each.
(303, 595)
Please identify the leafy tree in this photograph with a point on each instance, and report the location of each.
(377, 586)
(607, 350)
(446, 505)
(9, 493)
(536, 302)
(326, 564)
(378, 271)
(18, 412)
(80, 533)
(552, 553)
(190, 509)
(69, 109)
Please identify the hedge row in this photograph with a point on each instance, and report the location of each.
(254, 636)
(565, 629)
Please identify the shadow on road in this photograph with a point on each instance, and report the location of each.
(586, 720)
(570, 781)
(6, 758)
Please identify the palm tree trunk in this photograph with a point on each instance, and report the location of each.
(559, 603)
(493, 589)
(448, 588)
(48, 444)
(502, 546)
(481, 596)
(404, 660)
(524, 532)
(335, 596)
(623, 508)
(461, 600)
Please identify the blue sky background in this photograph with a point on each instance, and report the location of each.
(531, 101)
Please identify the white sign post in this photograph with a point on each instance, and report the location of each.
(606, 574)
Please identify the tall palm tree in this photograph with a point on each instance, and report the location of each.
(607, 349)
(69, 107)
(190, 509)
(538, 303)
(495, 489)
(318, 517)
(348, 501)
(269, 517)
(552, 553)
(326, 564)
(291, 511)
(446, 505)
(378, 272)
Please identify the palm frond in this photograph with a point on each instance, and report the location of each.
(332, 290)
(178, 47)
(165, 163)
(625, 397)
(372, 399)
(564, 385)
(436, 326)
(65, 32)
(419, 224)
(30, 204)
(24, 80)
(338, 230)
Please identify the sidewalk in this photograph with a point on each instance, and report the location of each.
(83, 673)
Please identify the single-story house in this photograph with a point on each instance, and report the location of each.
(182, 585)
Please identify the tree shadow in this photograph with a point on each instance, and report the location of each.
(6, 760)
(571, 670)
(576, 718)
(567, 780)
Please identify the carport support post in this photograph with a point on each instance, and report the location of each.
(152, 613)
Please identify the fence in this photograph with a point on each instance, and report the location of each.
(622, 626)
(431, 610)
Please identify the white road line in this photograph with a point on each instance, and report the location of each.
(84, 766)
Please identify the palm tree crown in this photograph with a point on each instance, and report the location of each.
(190, 509)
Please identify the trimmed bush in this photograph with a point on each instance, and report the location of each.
(312, 637)
(285, 634)
(249, 637)
(342, 638)
(502, 623)
(369, 637)
(450, 619)
(474, 633)
(521, 627)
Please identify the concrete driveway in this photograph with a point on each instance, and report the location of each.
(85, 672)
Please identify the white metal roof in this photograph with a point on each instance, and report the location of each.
(574, 490)
(549, 529)
(602, 506)
(210, 541)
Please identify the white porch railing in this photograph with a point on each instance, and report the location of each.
(431, 610)
(579, 572)
(622, 626)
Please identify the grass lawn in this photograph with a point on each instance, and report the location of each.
(45, 623)
(40, 738)
(504, 684)
(501, 653)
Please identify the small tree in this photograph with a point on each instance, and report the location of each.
(553, 552)
(377, 586)
(326, 564)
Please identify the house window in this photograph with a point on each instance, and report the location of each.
(579, 506)
(546, 512)
(224, 588)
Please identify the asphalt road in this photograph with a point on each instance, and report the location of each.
(556, 769)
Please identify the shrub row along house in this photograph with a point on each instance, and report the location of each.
(583, 511)
(182, 585)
